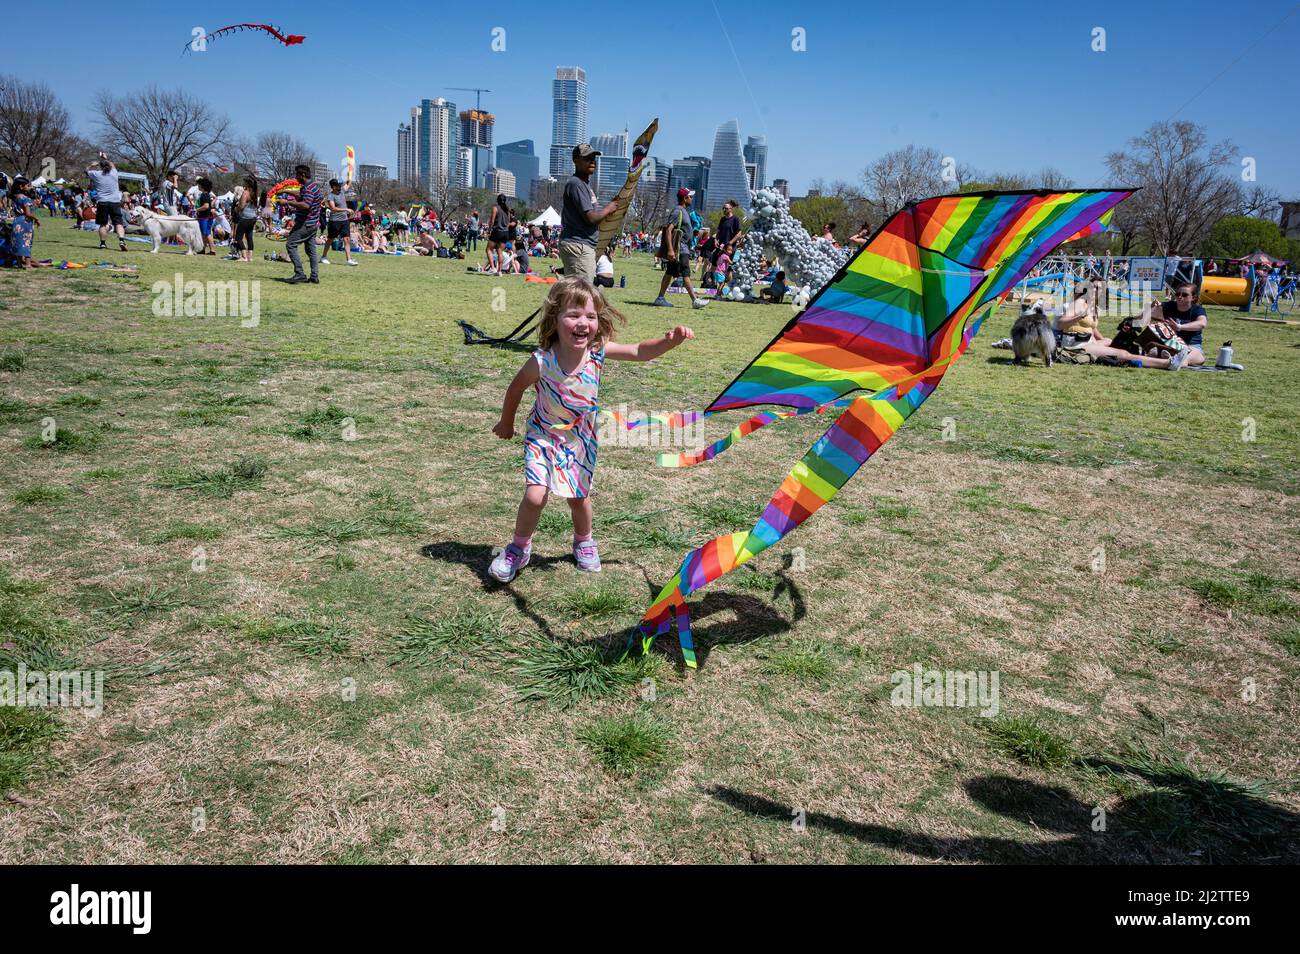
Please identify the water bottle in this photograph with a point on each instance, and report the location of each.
(1225, 358)
(622, 281)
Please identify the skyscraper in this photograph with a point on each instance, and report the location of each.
(782, 186)
(611, 144)
(611, 173)
(437, 138)
(756, 152)
(692, 173)
(499, 182)
(370, 170)
(408, 164)
(569, 119)
(519, 158)
(476, 132)
(613, 164)
(727, 179)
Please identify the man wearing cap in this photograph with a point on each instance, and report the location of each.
(580, 218)
(676, 250)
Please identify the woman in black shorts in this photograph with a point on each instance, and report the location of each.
(245, 215)
(498, 234)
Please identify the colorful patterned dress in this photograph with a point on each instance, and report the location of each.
(563, 460)
(20, 246)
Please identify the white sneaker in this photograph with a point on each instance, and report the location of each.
(324, 261)
(698, 304)
(354, 264)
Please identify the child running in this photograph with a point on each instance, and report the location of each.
(576, 336)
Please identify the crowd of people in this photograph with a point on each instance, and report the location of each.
(333, 216)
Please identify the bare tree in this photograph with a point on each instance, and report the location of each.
(35, 127)
(274, 155)
(1186, 187)
(160, 130)
(901, 176)
(650, 203)
(1049, 177)
(1259, 201)
(387, 194)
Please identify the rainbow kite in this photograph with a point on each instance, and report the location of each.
(891, 323)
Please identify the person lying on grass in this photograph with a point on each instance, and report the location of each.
(576, 336)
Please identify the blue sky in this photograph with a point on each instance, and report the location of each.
(1011, 86)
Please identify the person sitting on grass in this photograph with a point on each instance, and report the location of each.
(1189, 320)
(775, 292)
(604, 271)
(575, 336)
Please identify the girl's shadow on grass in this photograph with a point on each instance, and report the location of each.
(754, 617)
(477, 557)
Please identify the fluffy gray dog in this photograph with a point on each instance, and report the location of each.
(1032, 335)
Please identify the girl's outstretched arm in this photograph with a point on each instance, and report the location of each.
(525, 379)
(649, 349)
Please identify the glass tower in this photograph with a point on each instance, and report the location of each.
(727, 179)
(756, 152)
(569, 120)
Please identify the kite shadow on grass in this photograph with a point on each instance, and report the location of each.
(755, 618)
(1142, 828)
(477, 556)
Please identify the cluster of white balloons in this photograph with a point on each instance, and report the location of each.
(810, 261)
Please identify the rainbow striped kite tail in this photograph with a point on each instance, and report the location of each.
(669, 605)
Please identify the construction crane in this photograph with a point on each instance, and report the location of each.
(478, 97)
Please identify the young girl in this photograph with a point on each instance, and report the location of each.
(560, 442)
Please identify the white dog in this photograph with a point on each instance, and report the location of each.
(159, 227)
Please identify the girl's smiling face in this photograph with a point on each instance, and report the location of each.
(578, 324)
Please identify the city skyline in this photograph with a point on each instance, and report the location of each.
(826, 112)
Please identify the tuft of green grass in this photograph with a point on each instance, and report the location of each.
(331, 531)
(308, 634)
(467, 630)
(39, 494)
(564, 674)
(393, 515)
(723, 515)
(246, 473)
(79, 400)
(603, 599)
(1253, 592)
(11, 360)
(25, 738)
(65, 439)
(1169, 804)
(1290, 641)
(626, 745)
(105, 473)
(186, 531)
(142, 600)
(802, 663)
(1029, 743)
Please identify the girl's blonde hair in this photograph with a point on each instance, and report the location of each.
(564, 293)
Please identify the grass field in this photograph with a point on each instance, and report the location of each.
(304, 660)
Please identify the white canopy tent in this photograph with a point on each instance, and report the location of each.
(547, 219)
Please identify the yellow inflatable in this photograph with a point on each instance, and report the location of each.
(1218, 290)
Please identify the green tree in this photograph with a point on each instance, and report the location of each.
(1236, 235)
(818, 211)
